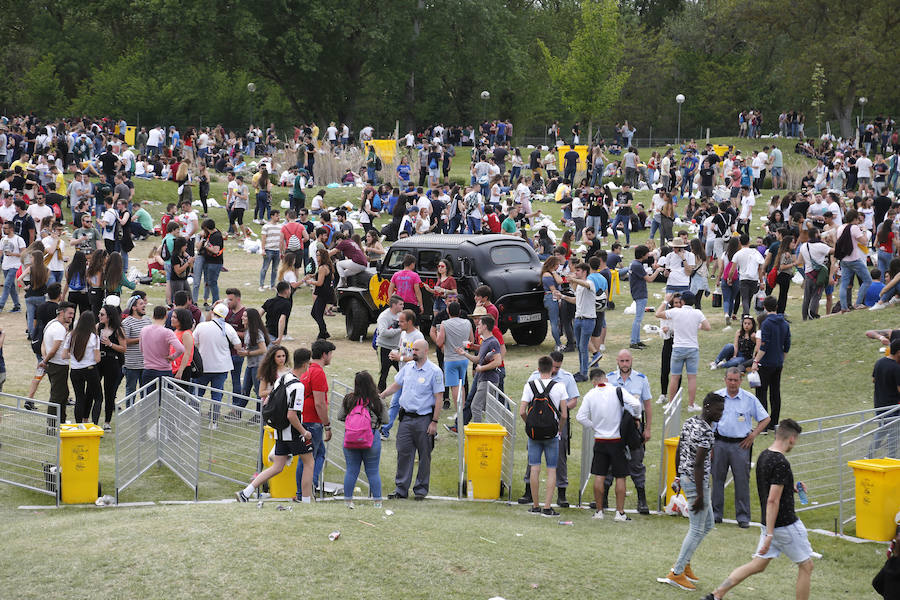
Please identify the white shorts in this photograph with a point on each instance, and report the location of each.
(790, 540)
(718, 248)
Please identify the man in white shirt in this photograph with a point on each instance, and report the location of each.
(365, 134)
(55, 247)
(331, 133)
(748, 201)
(12, 246)
(750, 266)
(203, 144)
(39, 211)
(679, 263)
(556, 393)
(685, 322)
(57, 367)
(215, 338)
(864, 172)
(108, 225)
(601, 412)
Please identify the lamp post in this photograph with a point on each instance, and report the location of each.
(251, 87)
(679, 99)
(485, 96)
(862, 108)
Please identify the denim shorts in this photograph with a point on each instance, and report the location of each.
(685, 358)
(549, 448)
(776, 171)
(790, 540)
(677, 289)
(455, 372)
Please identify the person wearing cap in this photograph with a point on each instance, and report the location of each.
(132, 326)
(679, 265)
(215, 339)
(408, 222)
(685, 322)
(733, 447)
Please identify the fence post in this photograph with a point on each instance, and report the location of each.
(840, 483)
(460, 441)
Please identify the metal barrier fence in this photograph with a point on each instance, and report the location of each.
(29, 445)
(671, 428)
(167, 421)
(499, 409)
(334, 448)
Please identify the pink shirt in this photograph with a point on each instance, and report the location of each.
(405, 283)
(155, 342)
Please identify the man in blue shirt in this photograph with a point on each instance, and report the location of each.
(421, 386)
(636, 384)
(775, 334)
(689, 165)
(734, 445)
(562, 377)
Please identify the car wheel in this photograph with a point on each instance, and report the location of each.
(530, 335)
(356, 319)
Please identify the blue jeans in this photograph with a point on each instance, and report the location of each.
(583, 330)
(686, 180)
(473, 224)
(729, 295)
(132, 379)
(552, 307)
(263, 208)
(370, 457)
(393, 411)
(212, 279)
(726, 354)
(639, 305)
(597, 176)
(625, 220)
(370, 171)
(700, 523)
(251, 382)
(318, 442)
(31, 304)
(236, 363)
(272, 257)
(9, 288)
(849, 268)
(199, 273)
(655, 224)
(596, 223)
(884, 261)
(217, 382)
(57, 276)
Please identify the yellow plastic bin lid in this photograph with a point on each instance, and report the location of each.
(672, 441)
(80, 430)
(485, 429)
(876, 464)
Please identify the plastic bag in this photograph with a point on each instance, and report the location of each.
(677, 506)
(630, 310)
(797, 278)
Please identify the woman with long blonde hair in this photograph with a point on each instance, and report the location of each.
(184, 181)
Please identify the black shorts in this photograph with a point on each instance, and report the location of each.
(609, 455)
(599, 324)
(292, 447)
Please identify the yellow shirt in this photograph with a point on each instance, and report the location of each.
(20, 163)
(61, 184)
(315, 132)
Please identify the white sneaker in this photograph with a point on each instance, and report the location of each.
(661, 399)
(694, 408)
(894, 300)
(603, 348)
(262, 289)
(621, 517)
(598, 515)
(713, 365)
(878, 306)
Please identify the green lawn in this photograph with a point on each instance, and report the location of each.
(214, 550)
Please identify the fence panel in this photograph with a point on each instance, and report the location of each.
(29, 445)
(334, 448)
(501, 410)
(178, 437)
(671, 428)
(137, 423)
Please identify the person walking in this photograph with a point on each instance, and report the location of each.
(316, 417)
(692, 476)
(323, 292)
(751, 271)
(775, 334)
(782, 532)
(13, 247)
(387, 338)
(364, 395)
(638, 278)
(585, 314)
(686, 321)
(452, 333)
(82, 350)
(814, 256)
(849, 247)
(734, 446)
(421, 386)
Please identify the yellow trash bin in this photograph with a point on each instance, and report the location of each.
(877, 497)
(671, 450)
(79, 462)
(283, 485)
(484, 458)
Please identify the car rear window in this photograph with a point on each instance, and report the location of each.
(504, 255)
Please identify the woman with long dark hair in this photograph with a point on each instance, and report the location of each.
(261, 211)
(76, 286)
(730, 280)
(182, 263)
(784, 263)
(94, 275)
(364, 394)
(34, 277)
(551, 282)
(741, 352)
(82, 350)
(884, 241)
(323, 293)
(445, 283)
(256, 340)
(114, 276)
(112, 357)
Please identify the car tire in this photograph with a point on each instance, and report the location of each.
(530, 335)
(356, 319)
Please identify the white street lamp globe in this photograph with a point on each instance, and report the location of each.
(485, 95)
(679, 98)
(251, 87)
(863, 100)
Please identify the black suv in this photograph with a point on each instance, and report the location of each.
(505, 263)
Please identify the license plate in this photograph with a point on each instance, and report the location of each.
(530, 318)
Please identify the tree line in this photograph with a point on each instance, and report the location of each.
(421, 62)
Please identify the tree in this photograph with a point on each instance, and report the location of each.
(818, 99)
(590, 78)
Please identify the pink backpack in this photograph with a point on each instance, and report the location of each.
(358, 427)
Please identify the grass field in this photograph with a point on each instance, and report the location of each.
(435, 548)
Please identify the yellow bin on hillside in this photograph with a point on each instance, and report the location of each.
(671, 450)
(484, 458)
(283, 485)
(79, 462)
(877, 497)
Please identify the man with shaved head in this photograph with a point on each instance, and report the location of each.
(421, 386)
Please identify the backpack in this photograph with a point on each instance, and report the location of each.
(628, 429)
(843, 247)
(378, 164)
(164, 252)
(433, 164)
(542, 418)
(195, 369)
(358, 427)
(274, 410)
(376, 203)
(294, 243)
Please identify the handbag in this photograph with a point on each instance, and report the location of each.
(628, 428)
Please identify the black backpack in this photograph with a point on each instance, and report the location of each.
(274, 411)
(164, 252)
(843, 247)
(542, 418)
(628, 428)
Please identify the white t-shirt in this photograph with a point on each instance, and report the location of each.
(406, 342)
(747, 204)
(813, 252)
(202, 141)
(7, 212)
(855, 232)
(863, 167)
(600, 410)
(410, 140)
(87, 360)
(188, 227)
(38, 213)
(685, 323)
(215, 339)
(578, 211)
(56, 263)
(331, 132)
(586, 301)
(317, 202)
(55, 332)
(423, 203)
(868, 213)
(295, 393)
(12, 244)
(109, 224)
(675, 264)
(748, 261)
(345, 131)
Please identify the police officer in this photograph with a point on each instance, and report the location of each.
(734, 445)
(566, 379)
(636, 384)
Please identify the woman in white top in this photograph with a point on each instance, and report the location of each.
(82, 349)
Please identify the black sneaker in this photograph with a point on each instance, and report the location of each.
(30, 406)
(549, 512)
(535, 510)
(638, 346)
(241, 497)
(396, 496)
(579, 378)
(446, 405)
